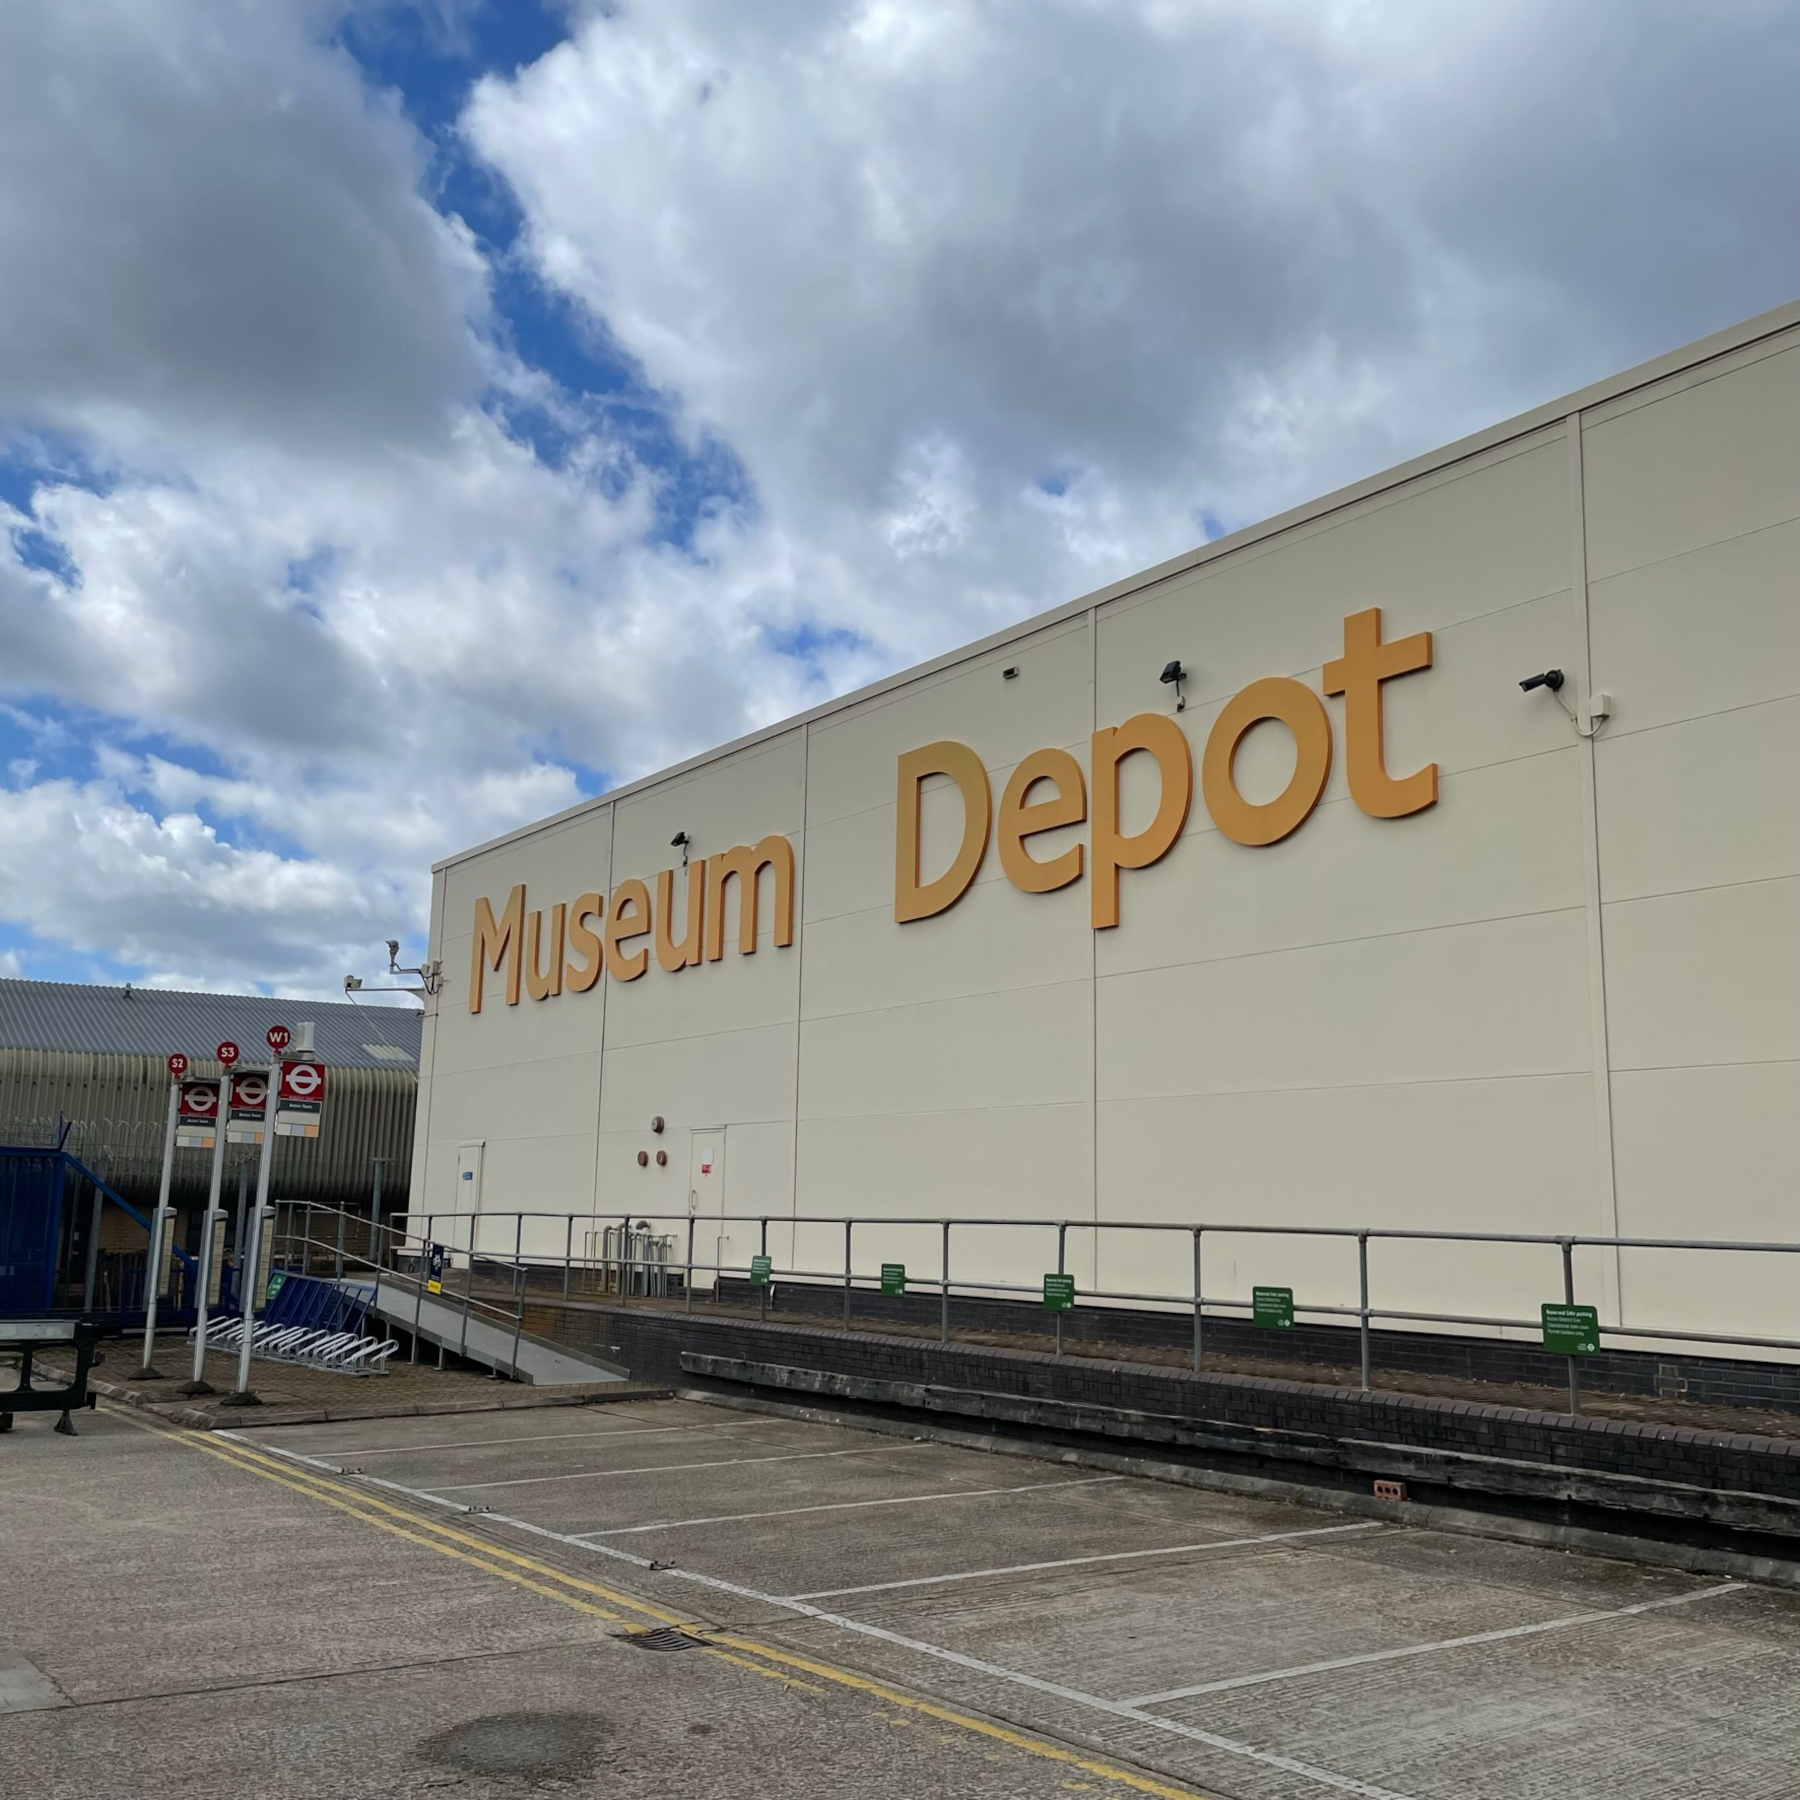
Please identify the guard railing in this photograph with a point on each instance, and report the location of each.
(632, 1255)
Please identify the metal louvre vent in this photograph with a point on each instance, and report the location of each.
(667, 1638)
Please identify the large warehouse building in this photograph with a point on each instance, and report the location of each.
(1254, 889)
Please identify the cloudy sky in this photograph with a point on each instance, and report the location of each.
(416, 417)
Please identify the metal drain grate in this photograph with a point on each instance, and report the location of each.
(667, 1638)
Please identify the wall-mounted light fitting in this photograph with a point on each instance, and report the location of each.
(1595, 710)
(1173, 675)
(662, 1159)
(643, 1159)
(1010, 674)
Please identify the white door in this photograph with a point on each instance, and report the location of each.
(706, 1204)
(468, 1195)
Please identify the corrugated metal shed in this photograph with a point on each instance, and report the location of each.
(136, 1021)
(95, 1056)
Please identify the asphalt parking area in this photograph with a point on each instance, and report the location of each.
(1236, 1646)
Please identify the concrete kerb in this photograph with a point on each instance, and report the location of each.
(512, 1399)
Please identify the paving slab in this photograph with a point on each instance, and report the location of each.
(173, 1597)
(1691, 1701)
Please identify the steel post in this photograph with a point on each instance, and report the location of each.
(198, 1384)
(763, 1250)
(944, 1289)
(1062, 1241)
(568, 1253)
(1197, 1308)
(687, 1287)
(1568, 1259)
(847, 1231)
(419, 1287)
(518, 1289)
(162, 1222)
(1362, 1319)
(242, 1394)
(462, 1349)
(342, 1219)
(375, 1214)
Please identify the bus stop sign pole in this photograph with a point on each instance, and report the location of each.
(161, 1223)
(243, 1394)
(209, 1247)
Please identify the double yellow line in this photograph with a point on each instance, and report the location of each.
(627, 1610)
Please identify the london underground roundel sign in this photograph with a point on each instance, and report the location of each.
(229, 1053)
(302, 1081)
(178, 1065)
(279, 1037)
(200, 1099)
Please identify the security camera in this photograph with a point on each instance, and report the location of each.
(679, 839)
(352, 984)
(1551, 679)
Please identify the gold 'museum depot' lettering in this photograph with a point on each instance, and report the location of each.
(531, 946)
(1063, 800)
(550, 953)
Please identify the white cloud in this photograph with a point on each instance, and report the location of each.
(993, 306)
(88, 869)
(1217, 255)
(213, 232)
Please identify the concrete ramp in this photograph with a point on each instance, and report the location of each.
(483, 1340)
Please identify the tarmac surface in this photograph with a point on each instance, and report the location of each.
(465, 1605)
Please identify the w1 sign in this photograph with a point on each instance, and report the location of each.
(300, 1105)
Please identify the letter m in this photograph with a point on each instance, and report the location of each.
(747, 865)
(497, 942)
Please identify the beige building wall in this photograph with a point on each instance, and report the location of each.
(1563, 999)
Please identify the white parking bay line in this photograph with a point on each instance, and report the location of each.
(1455, 1643)
(1118, 1709)
(1075, 1562)
(788, 1512)
(727, 1462)
(594, 1433)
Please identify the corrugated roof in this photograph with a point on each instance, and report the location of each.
(138, 1021)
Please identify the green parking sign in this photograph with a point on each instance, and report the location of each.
(1570, 1330)
(1272, 1308)
(1059, 1292)
(760, 1267)
(893, 1278)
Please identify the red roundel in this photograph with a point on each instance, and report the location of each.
(229, 1053)
(279, 1037)
(302, 1081)
(178, 1065)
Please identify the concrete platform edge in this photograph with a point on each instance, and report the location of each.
(1695, 1560)
(197, 1418)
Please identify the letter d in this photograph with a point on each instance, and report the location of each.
(913, 900)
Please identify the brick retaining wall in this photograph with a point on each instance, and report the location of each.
(651, 1345)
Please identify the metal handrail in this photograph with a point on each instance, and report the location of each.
(410, 1238)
